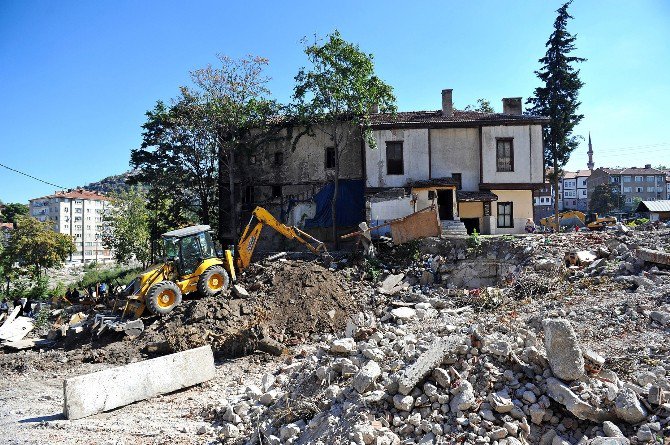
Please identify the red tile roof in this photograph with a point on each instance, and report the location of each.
(76, 194)
(459, 118)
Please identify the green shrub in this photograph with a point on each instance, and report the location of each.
(114, 275)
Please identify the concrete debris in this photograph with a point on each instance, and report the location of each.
(628, 408)
(654, 256)
(426, 363)
(563, 351)
(101, 391)
(391, 285)
(499, 344)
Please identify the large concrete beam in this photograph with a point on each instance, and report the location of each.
(654, 256)
(94, 393)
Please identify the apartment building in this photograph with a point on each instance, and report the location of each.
(635, 184)
(78, 213)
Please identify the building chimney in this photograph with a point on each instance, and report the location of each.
(447, 103)
(512, 105)
(647, 166)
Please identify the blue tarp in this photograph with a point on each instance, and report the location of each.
(350, 205)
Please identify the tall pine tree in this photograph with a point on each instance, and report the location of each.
(558, 97)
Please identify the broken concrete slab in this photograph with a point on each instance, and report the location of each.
(27, 343)
(240, 291)
(16, 328)
(427, 361)
(561, 393)
(101, 391)
(390, 285)
(653, 256)
(403, 313)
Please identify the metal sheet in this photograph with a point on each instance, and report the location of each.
(415, 226)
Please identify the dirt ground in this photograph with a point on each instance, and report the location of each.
(31, 406)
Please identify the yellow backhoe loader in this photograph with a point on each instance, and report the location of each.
(191, 264)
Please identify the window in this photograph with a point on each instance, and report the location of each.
(279, 158)
(276, 191)
(330, 157)
(639, 179)
(639, 189)
(505, 215)
(77, 210)
(650, 179)
(627, 189)
(504, 155)
(650, 189)
(249, 194)
(458, 178)
(629, 199)
(394, 158)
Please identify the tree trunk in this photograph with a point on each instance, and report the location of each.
(231, 184)
(221, 185)
(557, 219)
(336, 182)
(204, 208)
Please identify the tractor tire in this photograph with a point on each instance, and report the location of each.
(163, 297)
(212, 281)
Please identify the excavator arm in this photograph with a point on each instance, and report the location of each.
(249, 238)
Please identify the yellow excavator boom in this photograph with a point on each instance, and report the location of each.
(249, 238)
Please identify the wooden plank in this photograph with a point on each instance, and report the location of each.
(415, 226)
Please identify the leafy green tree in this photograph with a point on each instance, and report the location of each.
(558, 98)
(483, 106)
(337, 94)
(12, 210)
(34, 245)
(126, 229)
(604, 199)
(241, 116)
(178, 156)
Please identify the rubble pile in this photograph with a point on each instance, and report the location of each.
(450, 383)
(427, 365)
(538, 339)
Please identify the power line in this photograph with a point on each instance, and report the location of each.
(32, 177)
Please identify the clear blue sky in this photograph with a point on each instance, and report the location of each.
(77, 77)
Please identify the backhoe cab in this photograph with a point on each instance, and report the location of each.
(191, 264)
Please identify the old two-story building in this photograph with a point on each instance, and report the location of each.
(479, 168)
(573, 190)
(292, 177)
(543, 200)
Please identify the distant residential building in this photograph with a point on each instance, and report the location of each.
(543, 201)
(78, 213)
(574, 190)
(635, 184)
